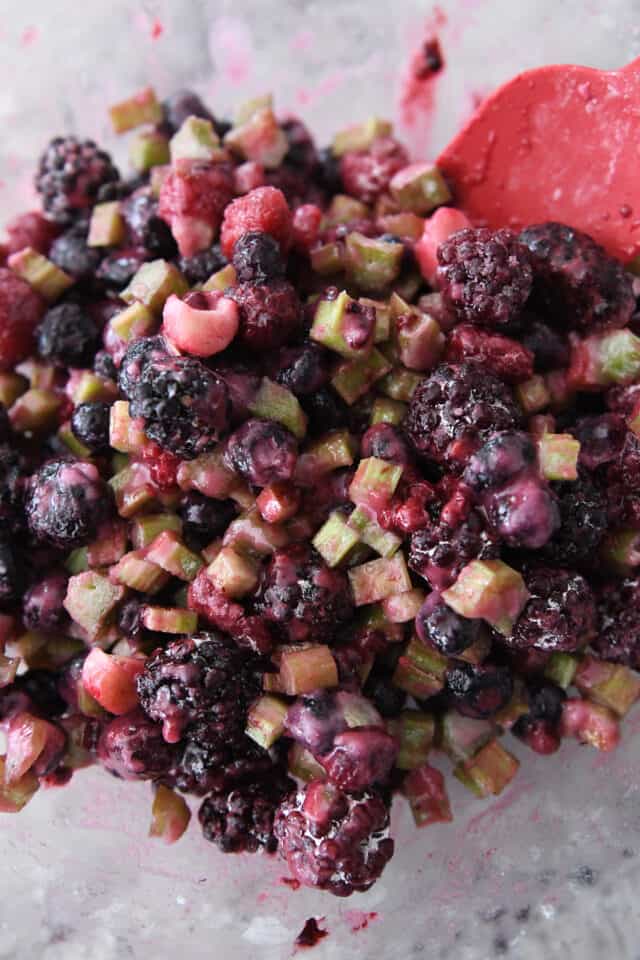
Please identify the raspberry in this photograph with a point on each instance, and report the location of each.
(201, 687)
(199, 267)
(583, 523)
(262, 452)
(575, 280)
(66, 502)
(332, 840)
(455, 409)
(478, 690)
(256, 258)
(501, 356)
(204, 518)
(72, 254)
(270, 314)
(303, 369)
(485, 276)
(146, 229)
(367, 173)
(185, 407)
(306, 226)
(441, 627)
(559, 615)
(67, 336)
(70, 173)
(241, 820)
(135, 360)
(619, 610)
(42, 604)
(192, 201)
(249, 632)
(264, 209)
(31, 230)
(132, 747)
(90, 425)
(21, 310)
(438, 553)
(300, 594)
(386, 442)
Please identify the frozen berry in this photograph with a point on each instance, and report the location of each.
(42, 604)
(332, 840)
(478, 690)
(146, 229)
(523, 513)
(303, 369)
(72, 254)
(270, 314)
(66, 502)
(21, 310)
(385, 442)
(499, 460)
(248, 631)
(484, 276)
(583, 523)
(134, 362)
(67, 335)
(185, 407)
(360, 758)
(325, 411)
(618, 639)
(263, 210)
(203, 519)
(241, 820)
(31, 230)
(455, 409)
(199, 267)
(12, 481)
(540, 727)
(41, 686)
(388, 699)
(90, 425)
(192, 200)
(11, 573)
(132, 747)
(104, 366)
(118, 267)
(263, 452)
(181, 105)
(549, 347)
(443, 628)
(306, 599)
(367, 173)
(70, 173)
(601, 438)
(257, 259)
(503, 357)
(576, 280)
(439, 552)
(559, 615)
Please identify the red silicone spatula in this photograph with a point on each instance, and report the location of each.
(556, 143)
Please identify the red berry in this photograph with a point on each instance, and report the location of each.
(264, 209)
(306, 225)
(503, 357)
(270, 314)
(21, 310)
(31, 230)
(192, 201)
(163, 465)
(367, 173)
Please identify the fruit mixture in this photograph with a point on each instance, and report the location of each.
(305, 479)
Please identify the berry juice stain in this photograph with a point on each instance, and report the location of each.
(311, 934)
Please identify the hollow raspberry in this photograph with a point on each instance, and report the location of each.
(332, 840)
(241, 820)
(439, 552)
(503, 357)
(263, 452)
(270, 314)
(265, 210)
(559, 615)
(70, 173)
(21, 310)
(485, 276)
(192, 201)
(67, 336)
(299, 593)
(132, 747)
(455, 409)
(619, 608)
(575, 280)
(367, 173)
(66, 502)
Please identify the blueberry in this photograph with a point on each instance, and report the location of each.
(71, 253)
(263, 452)
(479, 690)
(257, 258)
(67, 335)
(199, 267)
(66, 502)
(104, 366)
(146, 229)
(303, 369)
(204, 519)
(386, 442)
(501, 458)
(439, 625)
(90, 425)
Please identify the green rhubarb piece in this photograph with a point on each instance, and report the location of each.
(335, 539)
(478, 651)
(131, 491)
(134, 570)
(90, 599)
(608, 684)
(374, 618)
(38, 374)
(12, 386)
(312, 668)
(385, 410)
(110, 545)
(533, 395)
(360, 136)
(35, 410)
(418, 337)
(249, 533)
(259, 138)
(125, 434)
(489, 771)
(327, 259)
(384, 542)
(406, 224)
(169, 619)
(414, 732)
(233, 574)
(142, 107)
(41, 274)
(221, 279)
(345, 209)
(383, 318)
(89, 386)
(145, 529)
(303, 765)
(8, 670)
(561, 669)
(426, 657)
(266, 720)
(274, 402)
(71, 442)
(354, 378)
(334, 450)
(157, 177)
(133, 322)
(168, 552)
(400, 384)
(16, 795)
(170, 815)
(153, 283)
(332, 323)
(375, 481)
(621, 550)
(378, 579)
(403, 607)
(195, 140)
(462, 737)
(489, 590)
(619, 354)
(558, 456)
(208, 475)
(419, 188)
(246, 109)
(371, 264)
(77, 561)
(418, 683)
(107, 227)
(426, 792)
(148, 149)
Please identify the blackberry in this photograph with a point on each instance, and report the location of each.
(306, 599)
(484, 276)
(302, 153)
(185, 407)
(583, 523)
(10, 571)
(5, 425)
(503, 457)
(601, 439)
(90, 425)
(70, 173)
(201, 688)
(478, 690)
(241, 820)
(441, 627)
(67, 335)
(12, 482)
(270, 314)
(303, 369)
(257, 259)
(203, 519)
(454, 410)
(385, 441)
(205, 768)
(199, 267)
(332, 840)
(42, 604)
(262, 452)
(66, 502)
(367, 173)
(619, 609)
(559, 615)
(104, 366)
(72, 254)
(146, 229)
(575, 280)
(135, 360)
(132, 747)
(439, 552)
(118, 267)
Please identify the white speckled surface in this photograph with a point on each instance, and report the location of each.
(550, 869)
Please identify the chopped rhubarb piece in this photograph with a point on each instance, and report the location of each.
(360, 136)
(132, 489)
(195, 140)
(590, 723)
(403, 607)
(153, 284)
(344, 326)
(107, 227)
(14, 796)
(278, 503)
(462, 737)
(313, 668)
(221, 279)
(427, 795)
(383, 318)
(558, 456)
(158, 175)
(335, 539)
(259, 138)
(373, 619)
(378, 579)
(419, 339)
(609, 684)
(142, 107)
(604, 359)
(250, 534)
(170, 815)
(208, 475)
(145, 529)
(400, 384)
(88, 386)
(437, 229)
(370, 532)
(327, 259)
(77, 561)
(420, 188)
(111, 680)
(8, 670)
(168, 552)
(266, 720)
(235, 575)
(44, 276)
(90, 599)
(420, 683)
(354, 378)
(26, 739)
(169, 619)
(134, 570)
(561, 669)
(134, 321)
(406, 225)
(334, 450)
(489, 771)
(110, 544)
(388, 411)
(372, 265)
(303, 765)
(202, 324)
(414, 732)
(148, 149)
(533, 394)
(35, 410)
(426, 657)
(489, 590)
(274, 402)
(374, 482)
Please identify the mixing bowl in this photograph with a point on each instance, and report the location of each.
(550, 868)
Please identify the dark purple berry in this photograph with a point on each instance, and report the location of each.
(118, 267)
(302, 153)
(618, 639)
(262, 452)
(385, 441)
(218, 767)
(90, 425)
(72, 254)
(388, 699)
(42, 604)
(146, 229)
(67, 335)
(241, 820)
(70, 173)
(523, 513)
(478, 690)
(41, 686)
(360, 758)
(503, 457)
(66, 502)
(549, 348)
(270, 314)
(325, 411)
(203, 519)
(441, 627)
(583, 523)
(199, 267)
(438, 552)
(137, 355)
(303, 369)
(11, 489)
(183, 104)
(104, 366)
(11, 573)
(132, 747)
(601, 439)
(257, 258)
(559, 615)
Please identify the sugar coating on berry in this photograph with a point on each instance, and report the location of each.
(560, 614)
(523, 512)
(67, 335)
(263, 210)
(146, 228)
(66, 501)
(386, 442)
(21, 310)
(485, 276)
(270, 314)
(136, 357)
(69, 176)
(601, 438)
(441, 627)
(367, 173)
